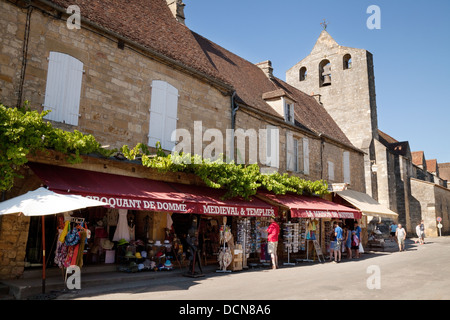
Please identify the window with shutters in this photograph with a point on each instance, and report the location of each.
(272, 146)
(163, 115)
(63, 88)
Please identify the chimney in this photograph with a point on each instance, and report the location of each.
(266, 66)
(177, 8)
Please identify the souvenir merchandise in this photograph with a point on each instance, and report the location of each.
(122, 230)
(71, 242)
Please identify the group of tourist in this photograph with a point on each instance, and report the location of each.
(398, 234)
(346, 239)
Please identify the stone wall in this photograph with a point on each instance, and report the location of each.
(116, 85)
(429, 201)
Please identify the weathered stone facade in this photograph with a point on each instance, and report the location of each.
(115, 100)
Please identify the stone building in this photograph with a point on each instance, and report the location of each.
(343, 81)
(134, 74)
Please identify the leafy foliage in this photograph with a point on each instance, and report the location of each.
(23, 132)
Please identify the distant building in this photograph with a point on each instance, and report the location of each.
(343, 80)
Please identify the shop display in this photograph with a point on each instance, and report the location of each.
(71, 242)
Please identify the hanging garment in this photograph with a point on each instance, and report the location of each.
(62, 235)
(122, 231)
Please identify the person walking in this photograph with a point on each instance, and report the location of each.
(355, 243)
(422, 232)
(400, 233)
(348, 241)
(272, 238)
(418, 234)
(338, 232)
(332, 244)
(393, 228)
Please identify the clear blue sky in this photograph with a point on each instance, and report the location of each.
(411, 52)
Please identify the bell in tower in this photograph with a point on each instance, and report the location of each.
(326, 75)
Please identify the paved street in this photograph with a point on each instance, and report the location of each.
(421, 272)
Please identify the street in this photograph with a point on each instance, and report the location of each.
(420, 273)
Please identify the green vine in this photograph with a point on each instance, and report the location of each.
(23, 132)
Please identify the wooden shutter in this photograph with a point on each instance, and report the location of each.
(63, 88)
(305, 156)
(290, 157)
(163, 114)
(346, 165)
(273, 146)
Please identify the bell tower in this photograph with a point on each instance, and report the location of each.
(342, 79)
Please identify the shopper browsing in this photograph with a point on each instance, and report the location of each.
(338, 248)
(272, 238)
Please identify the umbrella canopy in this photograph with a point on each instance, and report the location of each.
(45, 202)
(42, 202)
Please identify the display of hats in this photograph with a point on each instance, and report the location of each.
(140, 266)
(158, 243)
(168, 264)
(129, 254)
(144, 254)
(107, 244)
(122, 242)
(138, 255)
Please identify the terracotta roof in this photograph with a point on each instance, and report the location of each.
(151, 24)
(432, 165)
(387, 138)
(417, 158)
(444, 170)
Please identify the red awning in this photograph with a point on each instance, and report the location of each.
(313, 207)
(132, 193)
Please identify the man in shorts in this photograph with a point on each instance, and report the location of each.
(338, 232)
(272, 238)
(401, 236)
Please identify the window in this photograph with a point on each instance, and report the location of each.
(346, 166)
(63, 88)
(288, 112)
(324, 73)
(303, 73)
(347, 61)
(163, 114)
(272, 147)
(291, 152)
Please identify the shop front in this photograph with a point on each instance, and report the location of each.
(376, 218)
(308, 224)
(153, 225)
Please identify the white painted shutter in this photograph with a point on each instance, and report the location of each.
(63, 88)
(295, 155)
(305, 156)
(346, 165)
(273, 146)
(291, 110)
(171, 116)
(163, 114)
(290, 160)
(330, 170)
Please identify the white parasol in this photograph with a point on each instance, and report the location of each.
(42, 202)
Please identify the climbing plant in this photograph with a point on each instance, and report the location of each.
(23, 131)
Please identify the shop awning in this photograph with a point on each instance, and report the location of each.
(366, 204)
(133, 193)
(313, 207)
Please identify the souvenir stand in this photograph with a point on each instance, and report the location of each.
(251, 234)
